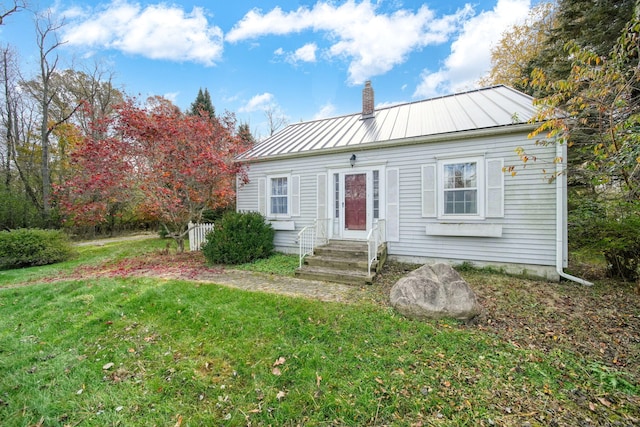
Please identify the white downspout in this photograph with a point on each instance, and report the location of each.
(561, 153)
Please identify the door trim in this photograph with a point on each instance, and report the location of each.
(337, 196)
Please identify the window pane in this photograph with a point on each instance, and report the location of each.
(278, 205)
(469, 175)
(279, 187)
(376, 194)
(460, 175)
(461, 202)
(336, 194)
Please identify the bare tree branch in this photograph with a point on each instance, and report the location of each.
(17, 5)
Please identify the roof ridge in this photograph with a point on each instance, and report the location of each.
(419, 101)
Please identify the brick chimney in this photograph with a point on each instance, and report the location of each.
(367, 100)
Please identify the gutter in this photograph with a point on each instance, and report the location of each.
(561, 179)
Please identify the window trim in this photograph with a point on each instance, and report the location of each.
(480, 188)
(270, 195)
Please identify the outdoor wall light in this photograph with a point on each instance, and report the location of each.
(352, 160)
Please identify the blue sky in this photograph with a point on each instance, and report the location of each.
(301, 59)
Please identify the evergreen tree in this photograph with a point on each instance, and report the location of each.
(245, 134)
(594, 25)
(203, 105)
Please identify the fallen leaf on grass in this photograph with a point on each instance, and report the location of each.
(179, 421)
(605, 402)
(318, 379)
(278, 362)
(281, 394)
(108, 366)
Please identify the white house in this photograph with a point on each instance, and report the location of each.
(432, 171)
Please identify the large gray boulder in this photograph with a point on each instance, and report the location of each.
(433, 292)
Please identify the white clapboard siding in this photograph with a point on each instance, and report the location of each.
(522, 205)
(198, 235)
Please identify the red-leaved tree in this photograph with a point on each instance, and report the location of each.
(99, 182)
(181, 165)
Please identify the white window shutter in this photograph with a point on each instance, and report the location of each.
(262, 196)
(322, 196)
(495, 189)
(295, 195)
(429, 193)
(393, 205)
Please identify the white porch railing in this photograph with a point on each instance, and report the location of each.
(375, 238)
(311, 236)
(198, 235)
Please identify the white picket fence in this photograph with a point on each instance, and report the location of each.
(198, 235)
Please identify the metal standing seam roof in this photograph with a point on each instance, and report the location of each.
(485, 108)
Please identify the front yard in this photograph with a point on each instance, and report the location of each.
(130, 335)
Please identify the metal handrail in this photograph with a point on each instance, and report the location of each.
(375, 238)
(309, 236)
(306, 241)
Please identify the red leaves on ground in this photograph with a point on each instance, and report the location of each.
(188, 265)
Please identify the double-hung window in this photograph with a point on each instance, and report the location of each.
(279, 196)
(461, 188)
(279, 201)
(460, 192)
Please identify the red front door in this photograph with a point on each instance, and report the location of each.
(355, 201)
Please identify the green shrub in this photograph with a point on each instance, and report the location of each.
(620, 244)
(28, 247)
(239, 237)
(611, 229)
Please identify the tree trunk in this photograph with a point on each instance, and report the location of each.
(48, 66)
(46, 178)
(9, 112)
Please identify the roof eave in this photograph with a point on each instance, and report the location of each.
(424, 139)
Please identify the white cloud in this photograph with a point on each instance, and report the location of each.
(171, 96)
(327, 110)
(372, 42)
(158, 31)
(258, 102)
(470, 56)
(306, 53)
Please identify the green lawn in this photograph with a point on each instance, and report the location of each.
(142, 351)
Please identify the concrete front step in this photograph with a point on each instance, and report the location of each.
(343, 249)
(334, 275)
(338, 263)
(341, 261)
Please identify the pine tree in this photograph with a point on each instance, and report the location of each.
(203, 105)
(245, 134)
